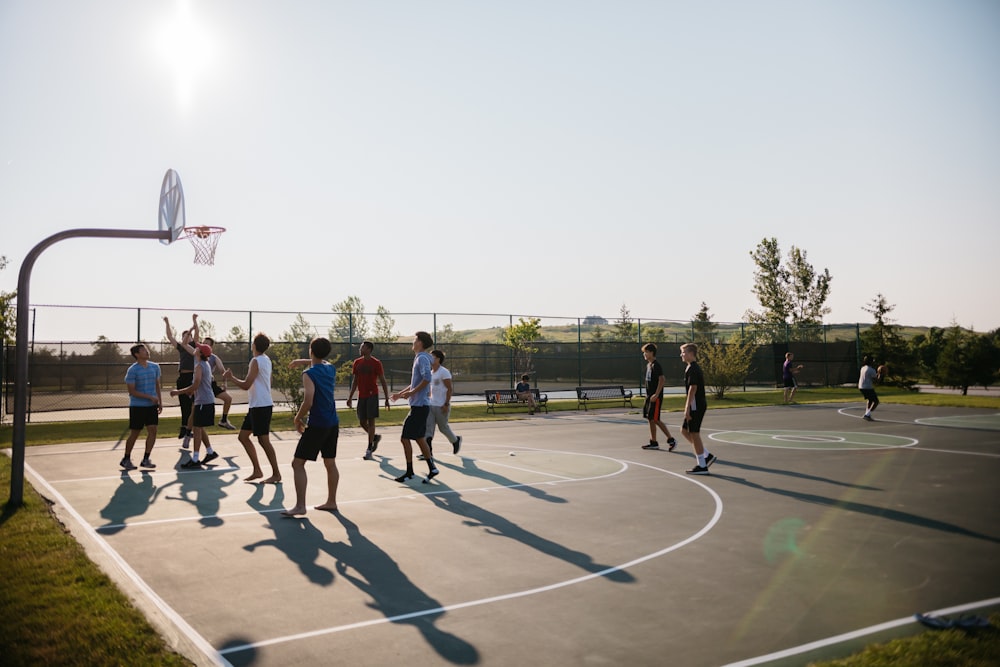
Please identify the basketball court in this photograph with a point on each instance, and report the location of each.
(556, 540)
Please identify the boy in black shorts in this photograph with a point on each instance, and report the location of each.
(145, 404)
(321, 432)
(694, 409)
(654, 399)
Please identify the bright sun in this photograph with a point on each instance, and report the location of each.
(187, 49)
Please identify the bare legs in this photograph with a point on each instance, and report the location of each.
(265, 444)
(301, 482)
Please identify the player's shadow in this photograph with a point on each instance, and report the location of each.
(131, 499)
(393, 594)
(863, 508)
(471, 468)
(500, 526)
(203, 489)
(297, 538)
(799, 475)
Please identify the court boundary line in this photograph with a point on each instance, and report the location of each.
(857, 634)
(409, 496)
(180, 625)
(717, 515)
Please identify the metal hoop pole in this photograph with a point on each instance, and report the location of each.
(21, 342)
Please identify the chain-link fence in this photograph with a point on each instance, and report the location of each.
(569, 352)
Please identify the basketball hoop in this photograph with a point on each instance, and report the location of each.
(204, 240)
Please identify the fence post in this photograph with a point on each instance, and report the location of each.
(579, 352)
(138, 324)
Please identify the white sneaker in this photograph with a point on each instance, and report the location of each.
(225, 424)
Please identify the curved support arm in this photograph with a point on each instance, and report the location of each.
(21, 341)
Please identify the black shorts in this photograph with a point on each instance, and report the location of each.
(870, 395)
(316, 439)
(651, 409)
(693, 425)
(415, 426)
(204, 415)
(142, 416)
(790, 383)
(368, 408)
(258, 420)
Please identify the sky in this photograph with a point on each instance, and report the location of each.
(555, 158)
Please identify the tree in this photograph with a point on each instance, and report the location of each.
(350, 325)
(205, 330)
(966, 359)
(702, 326)
(7, 311)
(726, 365)
(653, 334)
(887, 346)
(294, 345)
(384, 327)
(624, 329)
(448, 335)
(519, 337)
(791, 293)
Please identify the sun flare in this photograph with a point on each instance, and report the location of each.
(187, 49)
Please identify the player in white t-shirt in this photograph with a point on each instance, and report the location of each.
(441, 402)
(258, 419)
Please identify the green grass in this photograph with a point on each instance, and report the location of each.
(56, 607)
(932, 648)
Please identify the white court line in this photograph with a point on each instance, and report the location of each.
(182, 626)
(410, 496)
(509, 596)
(847, 636)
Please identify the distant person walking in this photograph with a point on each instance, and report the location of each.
(417, 393)
(695, 407)
(144, 405)
(322, 430)
(866, 383)
(441, 391)
(788, 372)
(185, 372)
(366, 373)
(654, 399)
(261, 405)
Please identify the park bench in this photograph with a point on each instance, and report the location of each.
(508, 397)
(617, 392)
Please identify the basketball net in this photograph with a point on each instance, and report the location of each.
(204, 240)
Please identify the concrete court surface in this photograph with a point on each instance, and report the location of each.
(556, 540)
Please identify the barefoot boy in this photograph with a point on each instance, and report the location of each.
(261, 405)
(321, 432)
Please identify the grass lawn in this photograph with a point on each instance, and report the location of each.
(57, 607)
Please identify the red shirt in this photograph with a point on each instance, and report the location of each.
(367, 372)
